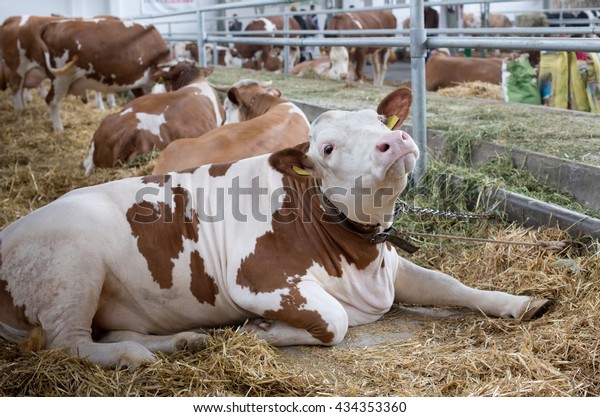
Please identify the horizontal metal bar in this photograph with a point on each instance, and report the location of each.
(533, 43)
(449, 31)
(528, 44)
(309, 32)
(360, 42)
(460, 2)
(517, 31)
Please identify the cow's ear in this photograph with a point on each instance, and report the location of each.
(293, 162)
(274, 92)
(234, 96)
(395, 107)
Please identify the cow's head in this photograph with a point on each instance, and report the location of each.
(177, 75)
(240, 95)
(361, 158)
(340, 61)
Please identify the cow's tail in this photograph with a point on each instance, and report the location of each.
(62, 70)
(36, 340)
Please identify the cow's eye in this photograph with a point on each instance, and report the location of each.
(328, 149)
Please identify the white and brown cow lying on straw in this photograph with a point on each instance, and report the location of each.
(282, 240)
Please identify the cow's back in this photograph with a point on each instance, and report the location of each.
(444, 71)
(278, 129)
(381, 19)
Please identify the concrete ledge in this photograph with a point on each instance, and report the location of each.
(530, 212)
(580, 180)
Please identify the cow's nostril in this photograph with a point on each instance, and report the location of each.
(383, 147)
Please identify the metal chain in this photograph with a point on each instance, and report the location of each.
(403, 207)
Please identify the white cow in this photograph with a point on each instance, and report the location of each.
(289, 242)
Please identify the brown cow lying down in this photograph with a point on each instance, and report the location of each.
(267, 123)
(155, 120)
(290, 245)
(443, 70)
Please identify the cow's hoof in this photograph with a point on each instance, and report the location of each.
(192, 342)
(536, 308)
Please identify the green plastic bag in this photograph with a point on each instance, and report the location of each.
(519, 82)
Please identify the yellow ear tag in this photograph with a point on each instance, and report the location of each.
(201, 73)
(392, 121)
(300, 171)
(161, 80)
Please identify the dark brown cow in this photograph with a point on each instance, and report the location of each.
(443, 70)
(155, 120)
(366, 20)
(267, 123)
(104, 54)
(263, 54)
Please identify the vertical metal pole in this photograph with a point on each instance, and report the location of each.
(201, 38)
(485, 16)
(418, 39)
(286, 48)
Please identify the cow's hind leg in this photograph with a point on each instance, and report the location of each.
(190, 341)
(417, 285)
(304, 315)
(66, 300)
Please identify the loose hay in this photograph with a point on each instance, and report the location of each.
(474, 89)
(410, 352)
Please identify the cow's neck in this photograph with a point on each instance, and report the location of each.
(311, 219)
(337, 216)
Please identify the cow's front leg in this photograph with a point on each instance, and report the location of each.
(302, 314)
(190, 341)
(417, 285)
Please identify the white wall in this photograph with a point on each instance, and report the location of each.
(80, 8)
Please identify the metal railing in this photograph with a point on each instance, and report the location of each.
(418, 39)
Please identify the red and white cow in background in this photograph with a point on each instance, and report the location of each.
(261, 56)
(102, 54)
(281, 242)
(366, 20)
(22, 59)
(190, 108)
(124, 60)
(335, 65)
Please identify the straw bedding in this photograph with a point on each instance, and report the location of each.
(411, 351)
(473, 89)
